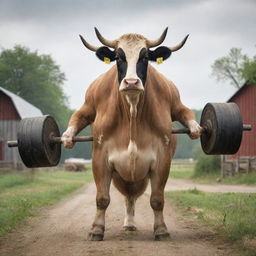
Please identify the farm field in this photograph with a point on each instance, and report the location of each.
(63, 230)
(231, 215)
(185, 170)
(22, 194)
(199, 222)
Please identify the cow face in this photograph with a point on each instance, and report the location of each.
(132, 56)
(132, 53)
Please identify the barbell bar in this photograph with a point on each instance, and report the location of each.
(14, 143)
(53, 139)
(39, 140)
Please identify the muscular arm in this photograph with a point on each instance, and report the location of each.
(184, 115)
(79, 120)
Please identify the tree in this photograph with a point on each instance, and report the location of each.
(37, 79)
(238, 68)
(249, 70)
(230, 67)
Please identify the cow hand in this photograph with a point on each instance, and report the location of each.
(67, 137)
(195, 129)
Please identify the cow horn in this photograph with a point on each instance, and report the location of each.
(89, 46)
(103, 40)
(154, 43)
(178, 46)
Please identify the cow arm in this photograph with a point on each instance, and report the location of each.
(78, 121)
(184, 115)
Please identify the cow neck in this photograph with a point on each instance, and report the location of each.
(133, 110)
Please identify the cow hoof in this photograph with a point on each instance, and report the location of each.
(162, 237)
(95, 237)
(130, 228)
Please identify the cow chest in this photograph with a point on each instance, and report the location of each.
(134, 162)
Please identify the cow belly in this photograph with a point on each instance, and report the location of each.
(132, 164)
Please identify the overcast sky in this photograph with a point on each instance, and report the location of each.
(52, 27)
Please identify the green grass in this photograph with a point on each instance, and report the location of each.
(232, 215)
(22, 193)
(183, 172)
(242, 178)
(180, 170)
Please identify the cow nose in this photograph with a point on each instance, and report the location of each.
(131, 81)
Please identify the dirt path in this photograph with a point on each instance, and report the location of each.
(180, 184)
(62, 230)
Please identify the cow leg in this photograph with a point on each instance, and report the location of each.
(102, 179)
(129, 224)
(158, 181)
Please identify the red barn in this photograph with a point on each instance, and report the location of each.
(12, 109)
(245, 98)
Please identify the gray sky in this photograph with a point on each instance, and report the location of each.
(52, 27)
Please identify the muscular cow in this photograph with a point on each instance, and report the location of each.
(131, 108)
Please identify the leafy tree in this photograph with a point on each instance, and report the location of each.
(236, 67)
(249, 70)
(230, 67)
(37, 79)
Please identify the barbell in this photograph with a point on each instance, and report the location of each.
(39, 141)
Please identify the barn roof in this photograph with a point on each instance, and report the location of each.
(24, 108)
(238, 91)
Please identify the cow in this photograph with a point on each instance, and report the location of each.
(131, 108)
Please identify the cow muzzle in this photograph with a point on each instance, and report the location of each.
(131, 85)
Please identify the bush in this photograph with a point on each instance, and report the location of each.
(207, 165)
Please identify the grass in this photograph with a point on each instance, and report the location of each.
(21, 194)
(180, 170)
(232, 215)
(242, 178)
(181, 174)
(185, 172)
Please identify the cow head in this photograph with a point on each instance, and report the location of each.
(132, 53)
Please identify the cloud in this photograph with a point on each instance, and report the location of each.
(52, 27)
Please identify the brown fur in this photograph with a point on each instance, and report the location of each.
(113, 127)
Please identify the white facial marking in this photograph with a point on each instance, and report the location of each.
(132, 51)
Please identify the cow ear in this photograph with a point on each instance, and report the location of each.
(105, 54)
(159, 54)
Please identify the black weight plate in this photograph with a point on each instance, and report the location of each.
(34, 142)
(224, 128)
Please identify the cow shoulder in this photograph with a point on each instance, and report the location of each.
(163, 87)
(102, 87)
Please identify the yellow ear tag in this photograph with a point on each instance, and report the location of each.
(106, 60)
(159, 60)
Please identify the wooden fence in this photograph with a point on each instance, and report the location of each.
(183, 164)
(229, 167)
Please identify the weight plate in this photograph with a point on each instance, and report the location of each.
(34, 144)
(224, 128)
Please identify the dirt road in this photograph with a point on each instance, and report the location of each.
(62, 230)
(180, 184)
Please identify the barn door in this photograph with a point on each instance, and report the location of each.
(1, 150)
